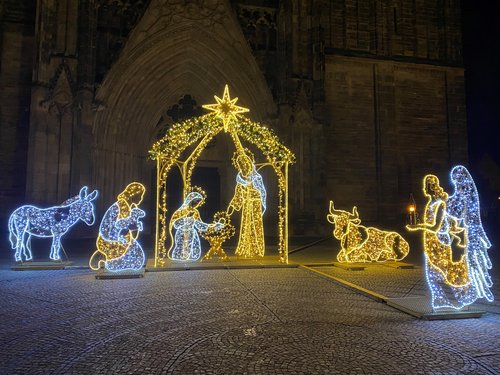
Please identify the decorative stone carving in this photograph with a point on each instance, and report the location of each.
(185, 108)
(60, 99)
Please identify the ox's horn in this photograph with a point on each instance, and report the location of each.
(333, 211)
(354, 214)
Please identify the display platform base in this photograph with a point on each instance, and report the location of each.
(231, 263)
(40, 266)
(421, 308)
(399, 265)
(350, 266)
(108, 275)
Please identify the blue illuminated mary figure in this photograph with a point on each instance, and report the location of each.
(186, 223)
(464, 206)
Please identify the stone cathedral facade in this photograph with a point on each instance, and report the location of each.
(369, 94)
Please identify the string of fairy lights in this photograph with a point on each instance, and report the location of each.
(226, 117)
(364, 244)
(450, 223)
(117, 246)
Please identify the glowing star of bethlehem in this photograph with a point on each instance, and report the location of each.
(364, 244)
(49, 222)
(117, 245)
(225, 108)
(452, 224)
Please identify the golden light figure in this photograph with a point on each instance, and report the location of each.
(437, 243)
(440, 234)
(249, 198)
(216, 236)
(456, 270)
(117, 245)
(364, 244)
(226, 117)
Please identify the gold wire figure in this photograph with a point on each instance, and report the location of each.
(216, 236)
(442, 236)
(250, 198)
(117, 246)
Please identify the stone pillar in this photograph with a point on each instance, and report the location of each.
(52, 118)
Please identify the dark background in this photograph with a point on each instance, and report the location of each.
(481, 52)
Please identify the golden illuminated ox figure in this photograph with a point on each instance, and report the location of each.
(364, 244)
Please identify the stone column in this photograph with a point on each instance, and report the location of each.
(52, 118)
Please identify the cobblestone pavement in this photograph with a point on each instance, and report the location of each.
(272, 321)
(392, 282)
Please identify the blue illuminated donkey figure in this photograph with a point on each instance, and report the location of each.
(49, 222)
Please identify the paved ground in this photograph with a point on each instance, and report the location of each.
(272, 321)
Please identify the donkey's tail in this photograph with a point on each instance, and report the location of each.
(12, 232)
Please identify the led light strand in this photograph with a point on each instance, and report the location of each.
(117, 245)
(186, 222)
(216, 236)
(453, 224)
(49, 222)
(226, 117)
(250, 198)
(378, 245)
(464, 206)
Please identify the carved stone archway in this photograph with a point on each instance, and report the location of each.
(175, 49)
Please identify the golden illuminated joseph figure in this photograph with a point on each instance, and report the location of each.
(117, 245)
(194, 135)
(364, 244)
(447, 275)
(186, 223)
(250, 199)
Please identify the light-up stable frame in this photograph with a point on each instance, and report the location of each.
(199, 131)
(364, 244)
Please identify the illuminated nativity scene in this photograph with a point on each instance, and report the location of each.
(178, 238)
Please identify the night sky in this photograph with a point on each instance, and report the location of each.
(481, 52)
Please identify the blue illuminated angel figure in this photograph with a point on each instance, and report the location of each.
(49, 222)
(117, 245)
(464, 206)
(186, 222)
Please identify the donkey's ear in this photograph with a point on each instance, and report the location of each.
(93, 195)
(83, 192)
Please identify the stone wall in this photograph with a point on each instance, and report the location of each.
(390, 124)
(369, 95)
(16, 48)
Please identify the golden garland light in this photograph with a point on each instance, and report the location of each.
(364, 244)
(199, 131)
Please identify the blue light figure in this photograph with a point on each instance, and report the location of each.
(117, 245)
(464, 206)
(186, 222)
(49, 222)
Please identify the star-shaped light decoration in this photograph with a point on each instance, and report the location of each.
(225, 108)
